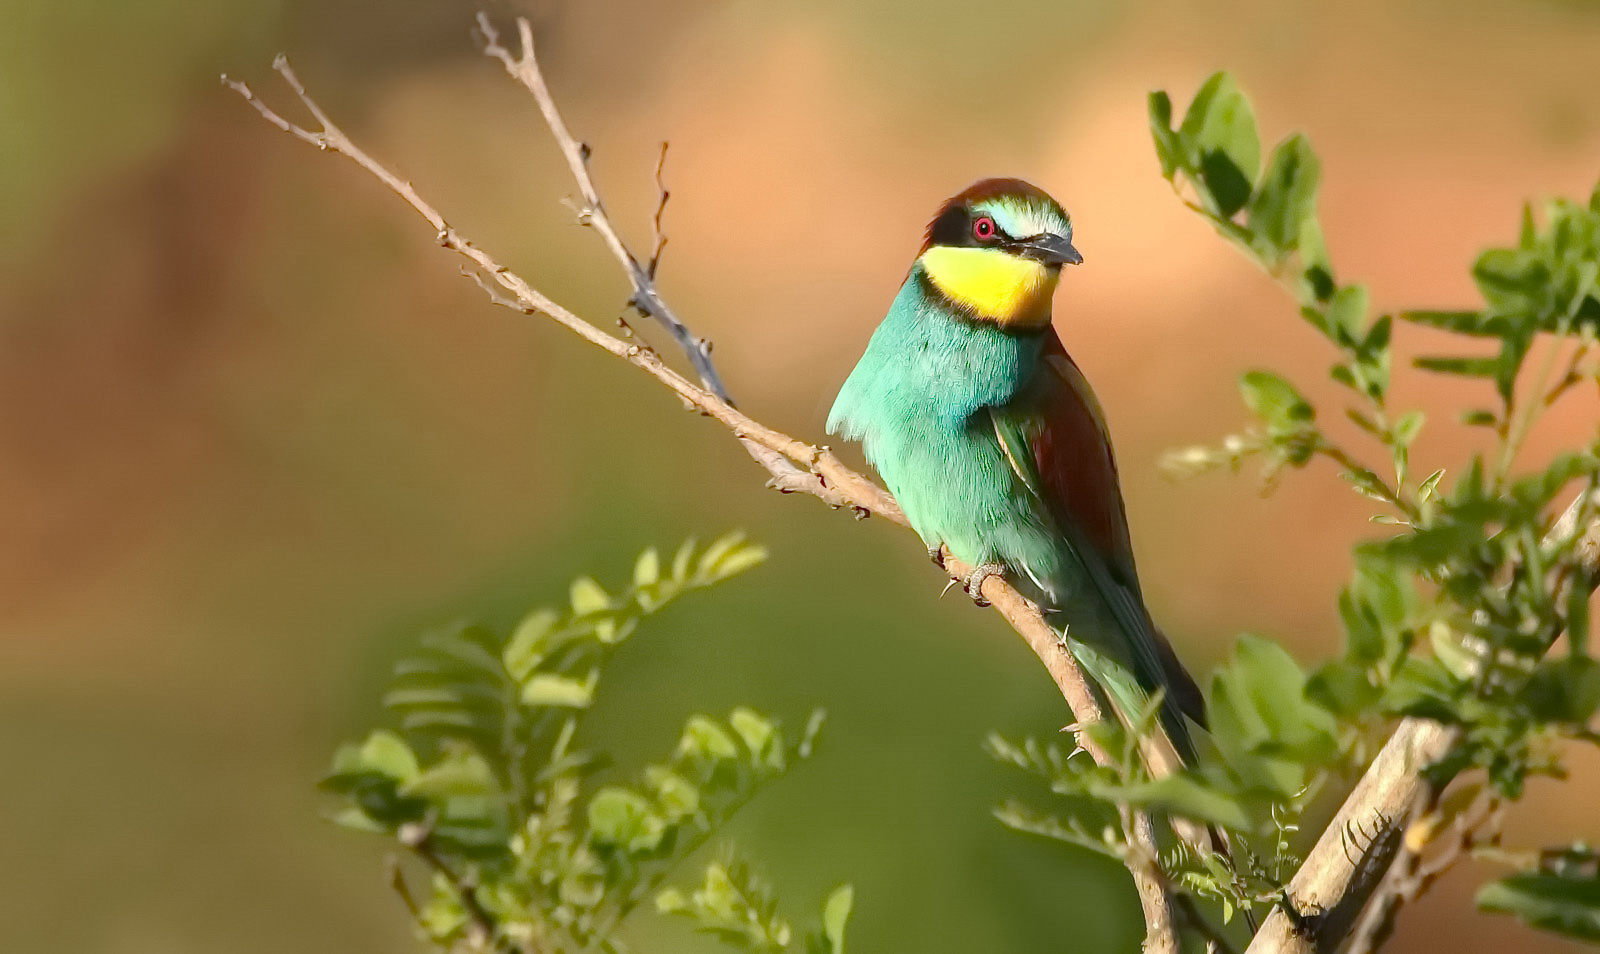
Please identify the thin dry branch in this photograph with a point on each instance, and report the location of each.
(793, 465)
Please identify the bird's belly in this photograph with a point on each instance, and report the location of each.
(957, 489)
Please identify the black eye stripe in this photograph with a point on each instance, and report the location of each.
(955, 226)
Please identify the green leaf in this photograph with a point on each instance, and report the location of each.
(1528, 234)
(1363, 631)
(1181, 795)
(733, 905)
(729, 556)
(528, 643)
(1513, 282)
(671, 901)
(760, 735)
(1423, 687)
(1347, 312)
(1318, 276)
(1577, 618)
(1451, 653)
(1269, 732)
(1407, 427)
(836, 916)
(1465, 367)
(1537, 490)
(461, 772)
(1426, 548)
(623, 818)
(371, 776)
(1549, 902)
(382, 752)
(680, 561)
(1343, 688)
(1564, 690)
(1169, 151)
(1287, 195)
(1274, 399)
(647, 570)
(705, 740)
(1220, 140)
(676, 795)
(1475, 323)
(588, 597)
(546, 689)
(1430, 485)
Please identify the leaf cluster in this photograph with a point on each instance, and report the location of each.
(1453, 613)
(483, 782)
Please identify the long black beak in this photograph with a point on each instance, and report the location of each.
(1048, 248)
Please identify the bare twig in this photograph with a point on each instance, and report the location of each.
(397, 881)
(793, 465)
(658, 235)
(524, 68)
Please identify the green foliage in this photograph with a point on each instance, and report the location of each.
(1562, 896)
(1452, 612)
(483, 782)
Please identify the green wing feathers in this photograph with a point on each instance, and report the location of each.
(1054, 436)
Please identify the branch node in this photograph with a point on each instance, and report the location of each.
(1301, 922)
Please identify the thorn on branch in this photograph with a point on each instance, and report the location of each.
(496, 298)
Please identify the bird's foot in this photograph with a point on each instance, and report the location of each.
(973, 584)
(936, 554)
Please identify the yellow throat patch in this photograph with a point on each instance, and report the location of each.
(1003, 288)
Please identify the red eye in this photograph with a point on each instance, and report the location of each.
(983, 228)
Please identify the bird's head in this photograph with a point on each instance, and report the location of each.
(995, 251)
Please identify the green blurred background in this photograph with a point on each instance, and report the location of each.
(256, 432)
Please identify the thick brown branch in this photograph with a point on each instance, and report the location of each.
(793, 465)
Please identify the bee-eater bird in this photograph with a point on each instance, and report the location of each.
(988, 435)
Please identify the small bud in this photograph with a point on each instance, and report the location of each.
(412, 834)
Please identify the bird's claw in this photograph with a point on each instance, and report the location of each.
(973, 584)
(936, 554)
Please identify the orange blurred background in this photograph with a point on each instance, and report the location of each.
(256, 431)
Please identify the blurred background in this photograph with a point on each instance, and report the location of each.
(257, 432)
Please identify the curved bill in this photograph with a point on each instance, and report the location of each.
(1048, 248)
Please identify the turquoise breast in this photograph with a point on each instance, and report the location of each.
(917, 402)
